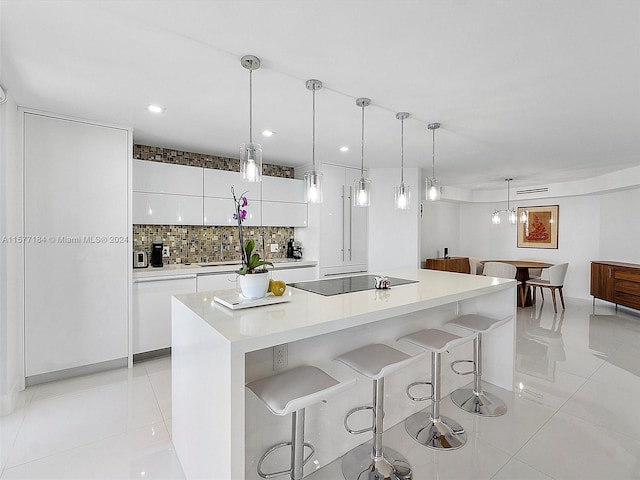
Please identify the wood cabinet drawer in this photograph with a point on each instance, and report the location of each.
(632, 301)
(627, 287)
(633, 275)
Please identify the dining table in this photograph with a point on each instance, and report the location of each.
(522, 275)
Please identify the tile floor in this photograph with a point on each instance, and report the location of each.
(572, 415)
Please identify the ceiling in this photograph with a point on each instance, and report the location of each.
(542, 91)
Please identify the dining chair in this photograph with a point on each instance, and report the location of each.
(553, 279)
(503, 270)
(475, 266)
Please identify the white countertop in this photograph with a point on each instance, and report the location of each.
(181, 269)
(309, 314)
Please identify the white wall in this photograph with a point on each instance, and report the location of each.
(441, 228)
(620, 226)
(578, 237)
(11, 258)
(394, 235)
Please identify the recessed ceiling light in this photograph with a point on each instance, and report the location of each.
(267, 133)
(344, 149)
(155, 109)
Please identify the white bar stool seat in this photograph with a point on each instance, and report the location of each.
(374, 461)
(434, 430)
(291, 392)
(474, 400)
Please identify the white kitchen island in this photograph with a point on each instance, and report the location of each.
(220, 430)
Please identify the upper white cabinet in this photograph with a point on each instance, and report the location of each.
(343, 227)
(277, 189)
(157, 177)
(278, 214)
(166, 209)
(167, 194)
(218, 183)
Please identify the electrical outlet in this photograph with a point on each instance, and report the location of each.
(275, 248)
(280, 356)
(165, 251)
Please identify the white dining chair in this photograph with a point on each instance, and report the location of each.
(503, 270)
(553, 279)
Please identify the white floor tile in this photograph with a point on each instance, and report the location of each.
(570, 448)
(56, 424)
(612, 407)
(160, 364)
(161, 384)
(142, 453)
(516, 470)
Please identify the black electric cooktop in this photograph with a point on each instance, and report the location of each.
(338, 286)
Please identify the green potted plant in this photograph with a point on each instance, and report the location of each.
(253, 274)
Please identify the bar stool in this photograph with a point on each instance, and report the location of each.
(291, 392)
(434, 430)
(378, 462)
(474, 400)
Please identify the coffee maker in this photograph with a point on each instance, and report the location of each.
(156, 252)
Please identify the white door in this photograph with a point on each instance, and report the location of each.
(332, 248)
(77, 273)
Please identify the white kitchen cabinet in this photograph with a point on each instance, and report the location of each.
(278, 189)
(279, 214)
(165, 209)
(217, 281)
(218, 183)
(158, 177)
(152, 310)
(343, 227)
(77, 267)
(291, 275)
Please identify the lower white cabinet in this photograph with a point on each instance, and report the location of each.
(152, 310)
(216, 281)
(290, 275)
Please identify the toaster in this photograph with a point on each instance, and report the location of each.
(140, 260)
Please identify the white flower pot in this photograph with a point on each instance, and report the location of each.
(254, 285)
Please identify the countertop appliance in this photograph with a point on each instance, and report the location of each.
(338, 286)
(140, 260)
(156, 253)
(297, 250)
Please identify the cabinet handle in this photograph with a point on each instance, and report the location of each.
(163, 278)
(342, 249)
(350, 219)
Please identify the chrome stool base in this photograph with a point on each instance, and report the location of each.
(444, 434)
(358, 464)
(484, 403)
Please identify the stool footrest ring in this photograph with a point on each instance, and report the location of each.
(419, 399)
(283, 472)
(351, 412)
(454, 363)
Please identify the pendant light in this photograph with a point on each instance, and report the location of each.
(512, 216)
(313, 178)
(433, 183)
(362, 186)
(251, 153)
(403, 193)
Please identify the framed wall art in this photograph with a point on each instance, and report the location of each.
(540, 228)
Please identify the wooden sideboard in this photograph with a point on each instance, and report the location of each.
(452, 264)
(616, 282)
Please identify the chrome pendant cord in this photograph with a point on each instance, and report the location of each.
(250, 105)
(313, 136)
(362, 145)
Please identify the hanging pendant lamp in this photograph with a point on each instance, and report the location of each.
(402, 192)
(251, 153)
(433, 183)
(313, 178)
(362, 185)
(512, 216)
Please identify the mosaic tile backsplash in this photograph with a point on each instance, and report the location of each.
(198, 244)
(178, 157)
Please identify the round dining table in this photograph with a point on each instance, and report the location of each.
(522, 275)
